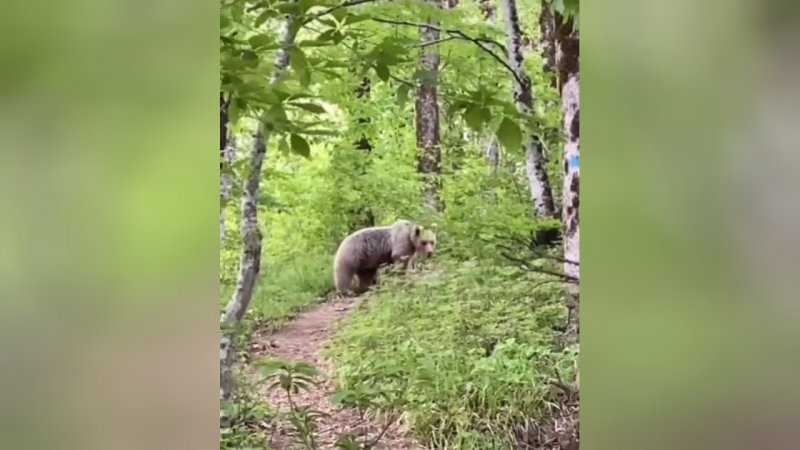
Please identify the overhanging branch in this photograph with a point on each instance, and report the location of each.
(458, 34)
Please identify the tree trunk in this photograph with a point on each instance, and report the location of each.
(569, 80)
(364, 214)
(538, 180)
(227, 146)
(492, 153)
(224, 180)
(427, 119)
(548, 46)
(492, 149)
(488, 9)
(250, 261)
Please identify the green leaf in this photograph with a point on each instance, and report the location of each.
(326, 35)
(263, 17)
(290, 8)
(306, 369)
(298, 60)
(305, 5)
(283, 146)
(509, 134)
(382, 70)
(300, 145)
(233, 110)
(305, 78)
(355, 18)
(310, 107)
(456, 106)
(476, 116)
(339, 14)
(270, 367)
(262, 41)
(402, 94)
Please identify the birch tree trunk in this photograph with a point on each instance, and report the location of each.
(538, 181)
(427, 118)
(569, 80)
(250, 261)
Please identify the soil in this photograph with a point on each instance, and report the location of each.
(303, 339)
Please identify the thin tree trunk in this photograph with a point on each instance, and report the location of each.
(427, 119)
(250, 261)
(492, 153)
(223, 145)
(226, 181)
(227, 154)
(538, 179)
(366, 218)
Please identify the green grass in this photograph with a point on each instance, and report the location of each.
(466, 350)
(285, 290)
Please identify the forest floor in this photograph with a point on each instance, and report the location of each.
(302, 340)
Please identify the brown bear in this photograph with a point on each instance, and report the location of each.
(364, 251)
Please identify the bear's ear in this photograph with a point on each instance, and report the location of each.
(417, 231)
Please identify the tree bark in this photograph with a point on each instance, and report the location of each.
(227, 146)
(548, 46)
(427, 118)
(223, 145)
(538, 180)
(250, 261)
(364, 214)
(569, 80)
(492, 149)
(488, 9)
(226, 181)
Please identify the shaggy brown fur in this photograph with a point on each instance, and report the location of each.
(364, 251)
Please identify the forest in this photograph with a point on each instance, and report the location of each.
(461, 116)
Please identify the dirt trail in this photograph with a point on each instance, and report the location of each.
(302, 339)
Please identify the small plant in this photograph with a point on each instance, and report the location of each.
(249, 419)
(292, 378)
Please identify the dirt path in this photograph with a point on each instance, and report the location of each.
(302, 340)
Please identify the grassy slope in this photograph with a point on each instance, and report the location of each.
(466, 349)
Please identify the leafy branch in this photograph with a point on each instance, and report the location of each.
(528, 266)
(458, 34)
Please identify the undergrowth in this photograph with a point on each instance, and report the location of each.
(468, 348)
(284, 290)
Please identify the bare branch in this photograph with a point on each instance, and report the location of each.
(337, 7)
(438, 41)
(565, 277)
